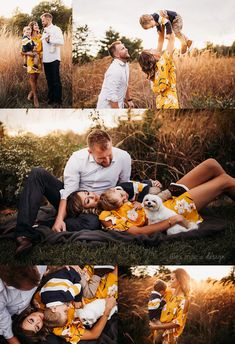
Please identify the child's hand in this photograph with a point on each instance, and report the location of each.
(78, 304)
(156, 183)
(137, 205)
(163, 13)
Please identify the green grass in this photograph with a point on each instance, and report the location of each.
(217, 249)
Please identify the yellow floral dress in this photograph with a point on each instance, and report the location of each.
(38, 49)
(164, 84)
(126, 216)
(175, 310)
(108, 285)
(73, 330)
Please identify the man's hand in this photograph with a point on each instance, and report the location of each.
(13, 340)
(59, 226)
(47, 39)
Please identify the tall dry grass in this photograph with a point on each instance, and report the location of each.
(14, 85)
(209, 321)
(203, 81)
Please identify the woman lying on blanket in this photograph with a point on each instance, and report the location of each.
(51, 314)
(189, 195)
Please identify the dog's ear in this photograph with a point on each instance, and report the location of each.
(154, 190)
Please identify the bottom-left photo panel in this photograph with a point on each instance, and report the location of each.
(58, 304)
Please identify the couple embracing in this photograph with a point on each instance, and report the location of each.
(43, 49)
(89, 196)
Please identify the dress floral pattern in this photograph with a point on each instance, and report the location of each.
(164, 84)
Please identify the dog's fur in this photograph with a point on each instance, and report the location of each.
(92, 311)
(157, 212)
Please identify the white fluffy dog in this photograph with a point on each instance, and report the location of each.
(157, 212)
(92, 311)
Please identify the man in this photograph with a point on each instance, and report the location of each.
(115, 89)
(52, 39)
(17, 286)
(95, 168)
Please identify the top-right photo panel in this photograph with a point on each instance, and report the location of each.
(154, 54)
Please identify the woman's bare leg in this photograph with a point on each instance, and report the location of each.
(202, 173)
(33, 83)
(207, 192)
(30, 95)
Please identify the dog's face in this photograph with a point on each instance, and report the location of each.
(152, 202)
(87, 317)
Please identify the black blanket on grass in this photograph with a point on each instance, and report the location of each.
(211, 225)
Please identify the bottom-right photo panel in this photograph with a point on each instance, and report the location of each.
(177, 304)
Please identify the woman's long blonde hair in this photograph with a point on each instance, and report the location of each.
(183, 279)
(31, 25)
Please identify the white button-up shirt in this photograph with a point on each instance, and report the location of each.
(115, 85)
(51, 50)
(14, 301)
(83, 173)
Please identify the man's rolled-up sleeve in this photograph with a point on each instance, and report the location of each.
(113, 86)
(5, 319)
(71, 177)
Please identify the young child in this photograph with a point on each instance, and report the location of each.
(29, 46)
(169, 19)
(156, 301)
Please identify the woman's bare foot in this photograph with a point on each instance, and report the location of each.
(35, 101)
(30, 95)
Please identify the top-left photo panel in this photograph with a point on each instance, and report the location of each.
(36, 54)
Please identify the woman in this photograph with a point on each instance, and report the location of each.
(30, 329)
(205, 182)
(34, 74)
(174, 313)
(160, 71)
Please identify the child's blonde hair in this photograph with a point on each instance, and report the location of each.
(107, 202)
(26, 27)
(145, 19)
(160, 285)
(53, 319)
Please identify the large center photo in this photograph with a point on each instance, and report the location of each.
(124, 185)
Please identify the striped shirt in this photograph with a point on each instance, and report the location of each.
(64, 287)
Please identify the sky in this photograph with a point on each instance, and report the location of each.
(43, 121)
(198, 272)
(204, 20)
(25, 6)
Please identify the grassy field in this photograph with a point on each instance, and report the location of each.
(14, 85)
(209, 321)
(203, 81)
(163, 146)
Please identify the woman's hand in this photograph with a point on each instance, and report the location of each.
(59, 226)
(110, 303)
(156, 183)
(180, 220)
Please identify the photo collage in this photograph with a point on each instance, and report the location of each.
(117, 177)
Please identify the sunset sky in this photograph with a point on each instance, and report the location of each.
(204, 20)
(8, 7)
(43, 121)
(197, 272)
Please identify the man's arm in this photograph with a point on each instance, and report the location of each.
(5, 321)
(56, 37)
(129, 99)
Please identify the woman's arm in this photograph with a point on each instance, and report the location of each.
(171, 43)
(160, 40)
(97, 329)
(162, 326)
(160, 226)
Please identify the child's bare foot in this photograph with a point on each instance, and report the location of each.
(189, 43)
(25, 65)
(184, 48)
(30, 95)
(35, 101)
